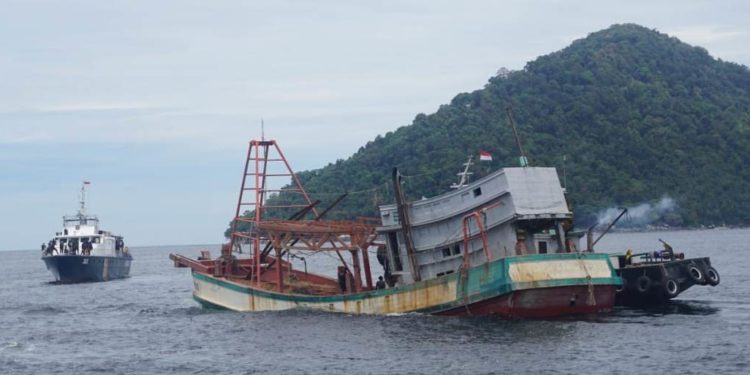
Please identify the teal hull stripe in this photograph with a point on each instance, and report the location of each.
(482, 282)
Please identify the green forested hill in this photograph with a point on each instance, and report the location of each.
(639, 115)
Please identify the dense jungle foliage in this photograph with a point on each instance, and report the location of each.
(637, 114)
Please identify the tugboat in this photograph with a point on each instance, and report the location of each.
(654, 277)
(83, 253)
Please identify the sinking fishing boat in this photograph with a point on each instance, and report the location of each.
(496, 246)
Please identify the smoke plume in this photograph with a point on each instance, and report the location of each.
(638, 216)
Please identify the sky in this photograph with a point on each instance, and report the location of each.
(154, 101)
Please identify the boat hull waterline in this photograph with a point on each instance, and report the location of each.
(532, 286)
(80, 268)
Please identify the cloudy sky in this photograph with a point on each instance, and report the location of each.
(154, 101)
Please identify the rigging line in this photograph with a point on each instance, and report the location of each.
(455, 236)
(445, 168)
(376, 187)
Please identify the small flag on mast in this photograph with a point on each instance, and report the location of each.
(484, 156)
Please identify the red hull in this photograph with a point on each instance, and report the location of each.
(543, 303)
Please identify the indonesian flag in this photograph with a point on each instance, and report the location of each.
(87, 182)
(484, 156)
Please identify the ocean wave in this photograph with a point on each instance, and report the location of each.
(45, 310)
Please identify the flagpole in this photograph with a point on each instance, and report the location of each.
(524, 160)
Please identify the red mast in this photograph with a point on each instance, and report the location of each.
(265, 161)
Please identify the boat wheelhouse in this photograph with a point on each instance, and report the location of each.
(511, 212)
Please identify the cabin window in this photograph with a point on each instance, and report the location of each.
(456, 249)
(477, 192)
(446, 252)
(393, 243)
(542, 246)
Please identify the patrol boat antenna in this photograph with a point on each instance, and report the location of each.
(82, 210)
(463, 177)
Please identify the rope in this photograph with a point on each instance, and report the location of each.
(591, 300)
(430, 173)
(375, 188)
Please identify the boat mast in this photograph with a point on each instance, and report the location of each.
(464, 176)
(82, 210)
(264, 159)
(523, 161)
(403, 216)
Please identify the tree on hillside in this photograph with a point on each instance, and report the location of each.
(638, 113)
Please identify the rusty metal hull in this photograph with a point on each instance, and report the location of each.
(525, 286)
(543, 303)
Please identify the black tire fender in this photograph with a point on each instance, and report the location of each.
(671, 287)
(695, 274)
(712, 276)
(623, 287)
(643, 284)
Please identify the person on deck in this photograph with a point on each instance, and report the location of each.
(380, 284)
(342, 278)
(74, 246)
(86, 247)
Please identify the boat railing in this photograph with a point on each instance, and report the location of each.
(468, 237)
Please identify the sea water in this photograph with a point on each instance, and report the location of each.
(149, 324)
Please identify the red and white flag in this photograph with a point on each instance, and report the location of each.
(484, 156)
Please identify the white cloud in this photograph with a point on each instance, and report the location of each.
(97, 107)
(702, 35)
(190, 81)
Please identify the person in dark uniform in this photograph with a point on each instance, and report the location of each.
(86, 247)
(342, 278)
(381, 255)
(380, 284)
